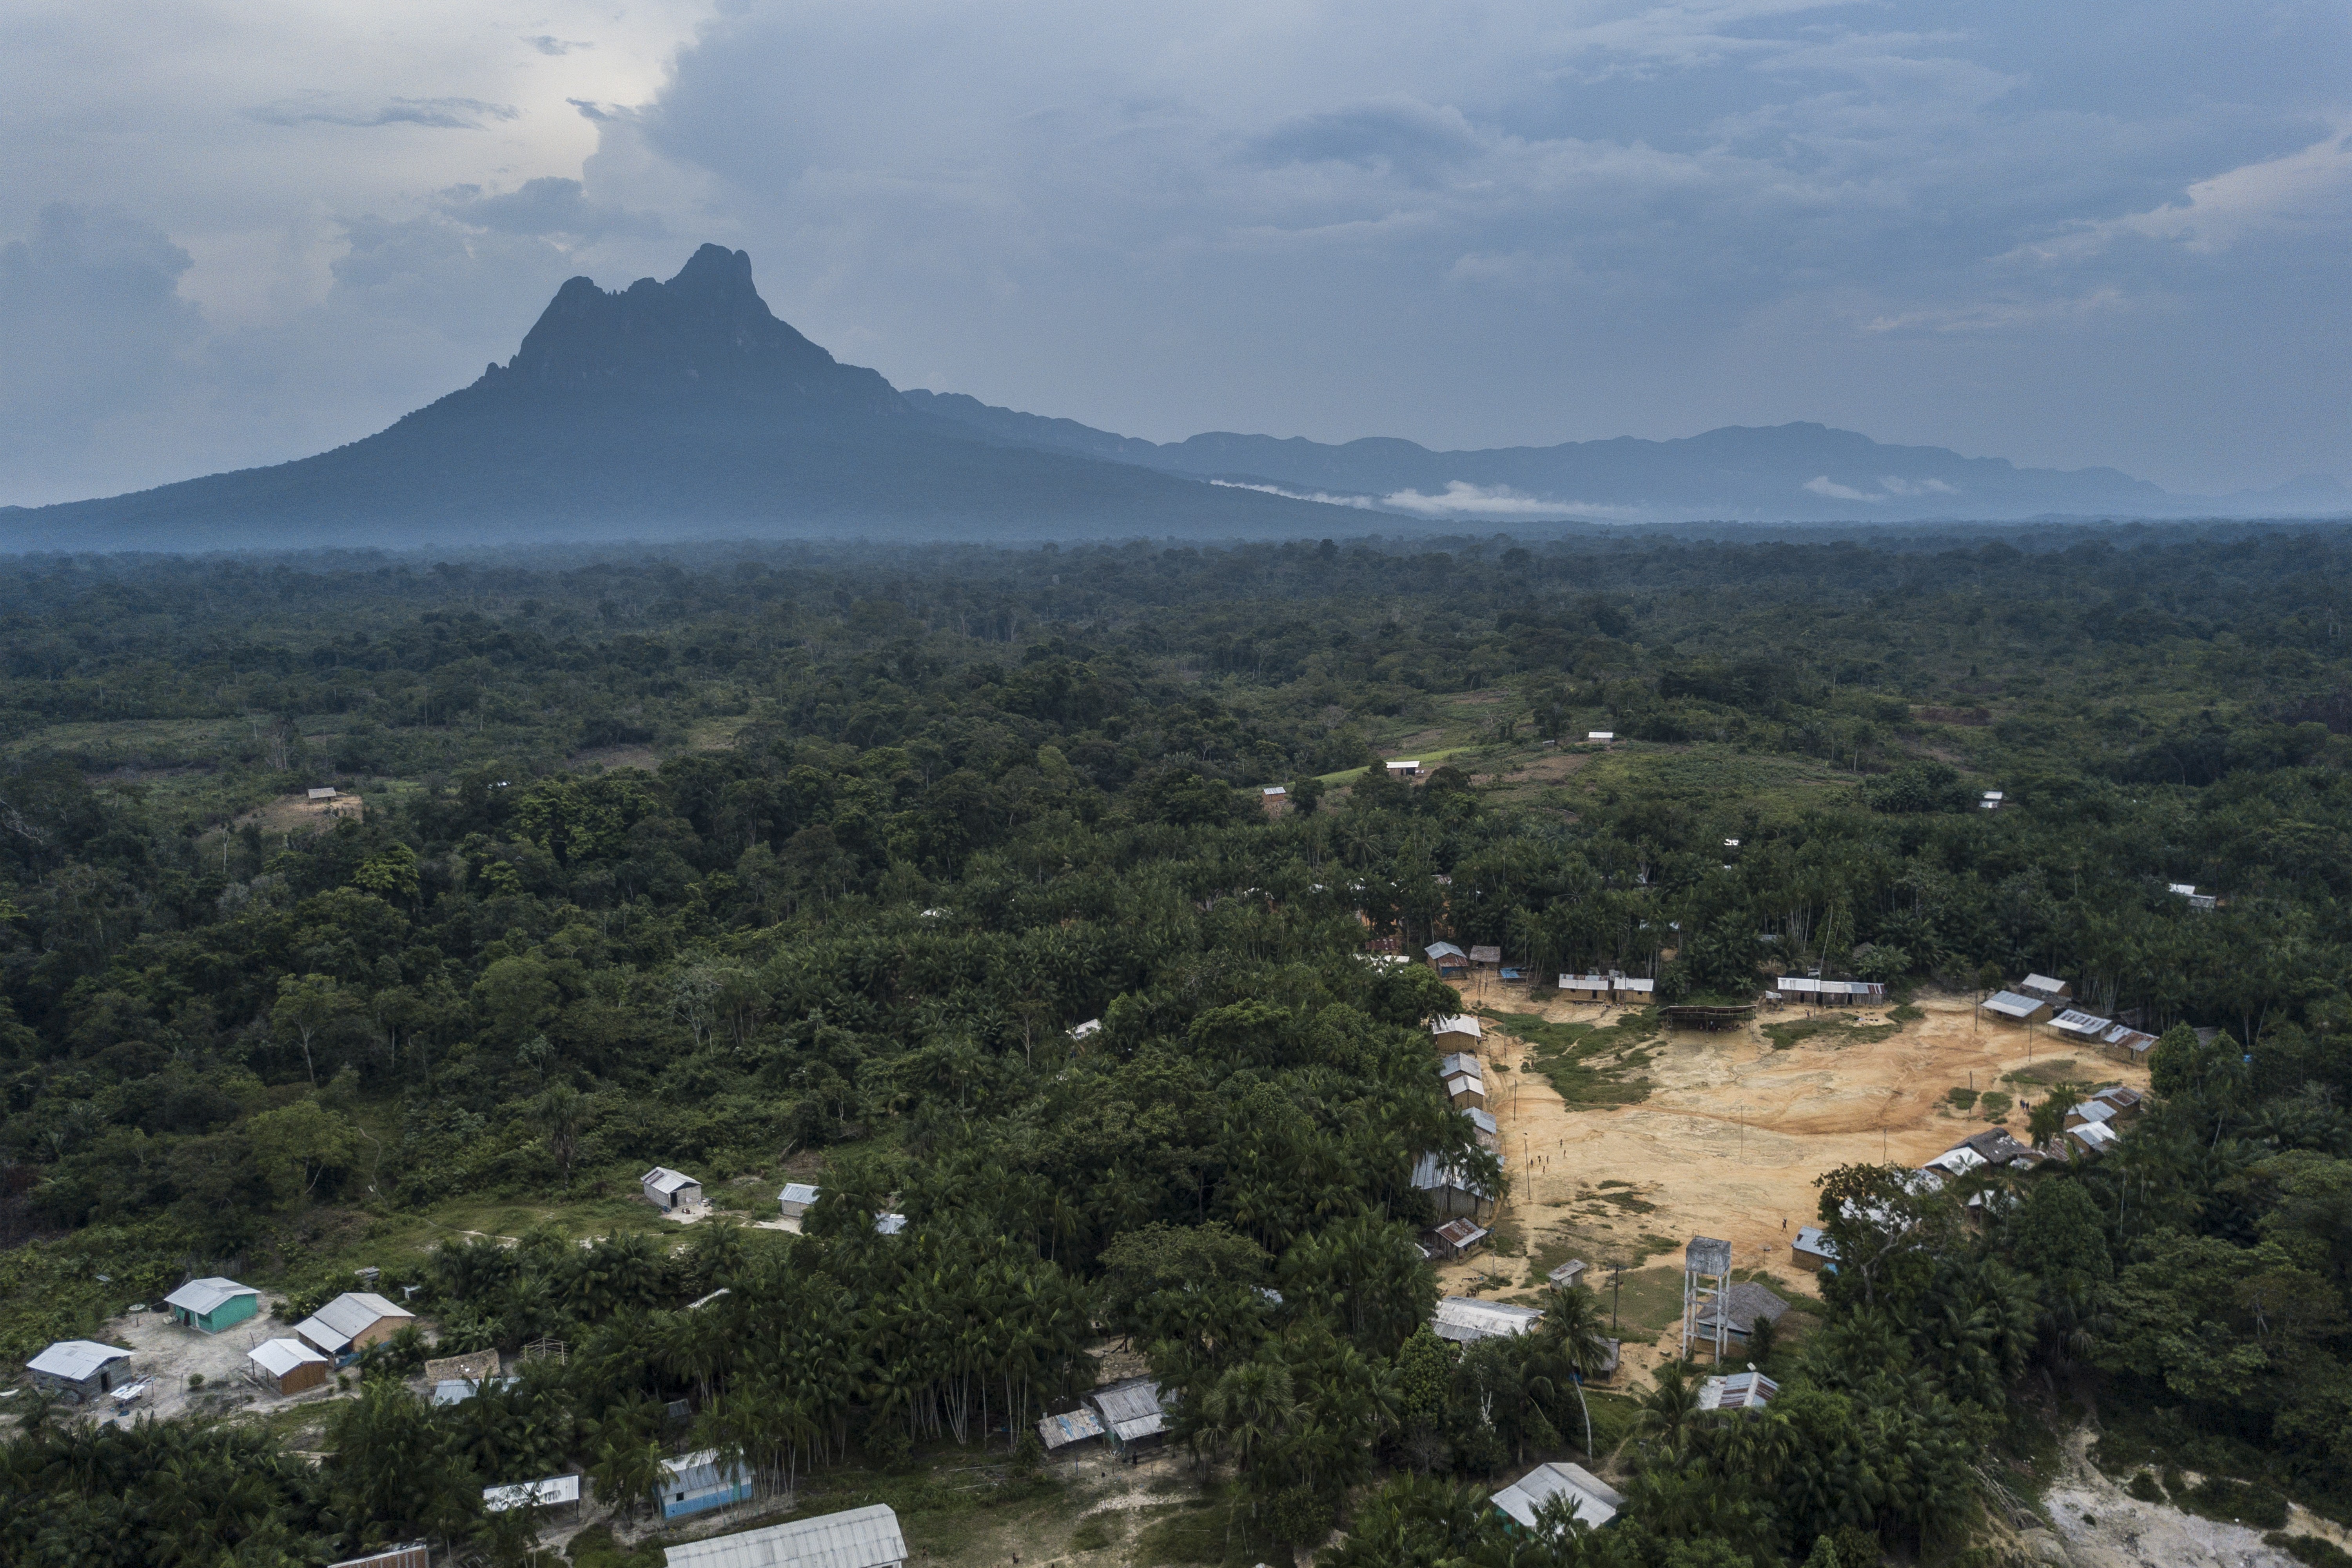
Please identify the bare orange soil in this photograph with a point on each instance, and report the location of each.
(1733, 1133)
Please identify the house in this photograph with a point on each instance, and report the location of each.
(2083, 1028)
(1830, 993)
(1447, 958)
(1740, 1307)
(554, 1492)
(669, 1190)
(322, 792)
(1464, 1091)
(416, 1554)
(1275, 799)
(1586, 987)
(1404, 768)
(1603, 736)
(2048, 987)
(1566, 1273)
(2011, 1007)
(1482, 1128)
(287, 1366)
(1133, 1413)
(2091, 1138)
(694, 1483)
(890, 1223)
(1635, 992)
(1489, 956)
(2125, 1044)
(1998, 1148)
(1594, 1500)
(1465, 1319)
(797, 1199)
(78, 1370)
(1452, 1192)
(1458, 1033)
(213, 1304)
(2126, 1101)
(1740, 1390)
(351, 1323)
(1457, 1062)
(1069, 1429)
(1955, 1161)
(1813, 1251)
(1455, 1239)
(1991, 800)
(866, 1537)
(2088, 1111)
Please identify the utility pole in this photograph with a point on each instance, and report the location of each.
(1616, 1289)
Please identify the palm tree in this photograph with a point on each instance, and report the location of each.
(1572, 1331)
(1668, 1408)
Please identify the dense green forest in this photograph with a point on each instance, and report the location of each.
(762, 860)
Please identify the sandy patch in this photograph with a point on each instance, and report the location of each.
(1734, 1132)
(2104, 1527)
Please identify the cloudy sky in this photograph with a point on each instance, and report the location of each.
(2094, 233)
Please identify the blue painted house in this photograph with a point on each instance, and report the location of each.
(693, 1483)
(214, 1304)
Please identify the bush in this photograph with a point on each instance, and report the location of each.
(2243, 1502)
(1094, 1534)
(2143, 1486)
(2310, 1548)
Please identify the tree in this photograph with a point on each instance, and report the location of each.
(309, 1007)
(295, 1145)
(563, 1114)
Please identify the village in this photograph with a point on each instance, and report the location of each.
(1749, 1254)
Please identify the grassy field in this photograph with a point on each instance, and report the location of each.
(1570, 1057)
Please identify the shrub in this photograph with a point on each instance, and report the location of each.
(2143, 1486)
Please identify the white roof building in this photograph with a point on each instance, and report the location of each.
(2009, 1004)
(279, 1357)
(1600, 735)
(866, 1537)
(890, 1223)
(1086, 1030)
(1466, 1320)
(334, 1326)
(2080, 1024)
(1628, 987)
(1457, 1025)
(77, 1361)
(1741, 1391)
(2095, 1137)
(1596, 1501)
(1455, 1064)
(2048, 985)
(204, 1297)
(663, 1179)
(1440, 949)
(546, 1493)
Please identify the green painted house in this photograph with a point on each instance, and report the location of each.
(213, 1304)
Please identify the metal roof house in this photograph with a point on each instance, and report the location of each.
(1445, 956)
(1466, 1320)
(1457, 1033)
(2093, 1138)
(1740, 1390)
(1406, 767)
(666, 1189)
(2086, 1028)
(414, 1554)
(1455, 1239)
(1133, 1412)
(1586, 987)
(1068, 1429)
(866, 1537)
(78, 1369)
(287, 1366)
(1739, 1307)
(1459, 1062)
(1482, 1127)
(1567, 1273)
(1628, 986)
(1813, 1251)
(1448, 1187)
(2088, 1111)
(351, 1323)
(1604, 736)
(213, 1304)
(1595, 1501)
(2013, 1007)
(2049, 987)
(797, 1198)
(1464, 1091)
(693, 1483)
(2126, 1101)
(2125, 1044)
(555, 1491)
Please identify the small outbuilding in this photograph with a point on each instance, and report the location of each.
(666, 1189)
(1455, 1239)
(1446, 958)
(1465, 1091)
(1466, 1320)
(320, 792)
(1457, 1062)
(890, 1223)
(1593, 1501)
(2049, 987)
(78, 1370)
(1813, 1251)
(1738, 1391)
(2126, 1101)
(1566, 1273)
(288, 1366)
(1404, 768)
(2092, 1138)
(1070, 1429)
(866, 1537)
(2125, 1044)
(351, 1323)
(697, 1483)
(1604, 737)
(212, 1304)
(1488, 956)
(414, 1554)
(1133, 1413)
(1457, 1033)
(797, 1199)
(2015, 1008)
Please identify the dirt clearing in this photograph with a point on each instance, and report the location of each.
(1733, 1133)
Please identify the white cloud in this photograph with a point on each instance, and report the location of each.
(1826, 486)
(2310, 188)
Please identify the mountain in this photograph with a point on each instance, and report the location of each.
(1798, 472)
(673, 410)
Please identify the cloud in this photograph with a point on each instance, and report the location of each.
(1461, 498)
(548, 205)
(2310, 188)
(335, 109)
(1417, 141)
(549, 44)
(1826, 486)
(1325, 497)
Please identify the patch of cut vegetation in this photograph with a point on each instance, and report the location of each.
(1837, 1032)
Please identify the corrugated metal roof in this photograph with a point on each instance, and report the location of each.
(1483, 1120)
(1071, 1427)
(890, 1223)
(1455, 1062)
(1128, 1402)
(1430, 1174)
(1741, 1306)
(1812, 1238)
(75, 1360)
(662, 1179)
(2010, 1005)
(346, 1318)
(451, 1391)
(1741, 1391)
(2050, 984)
(1464, 1083)
(1636, 987)
(1458, 1234)
(1596, 1500)
(203, 1295)
(798, 1193)
(1465, 1319)
(1565, 1275)
(1444, 950)
(860, 1538)
(279, 1357)
(1458, 1025)
(1585, 982)
(518, 1494)
(2075, 1022)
